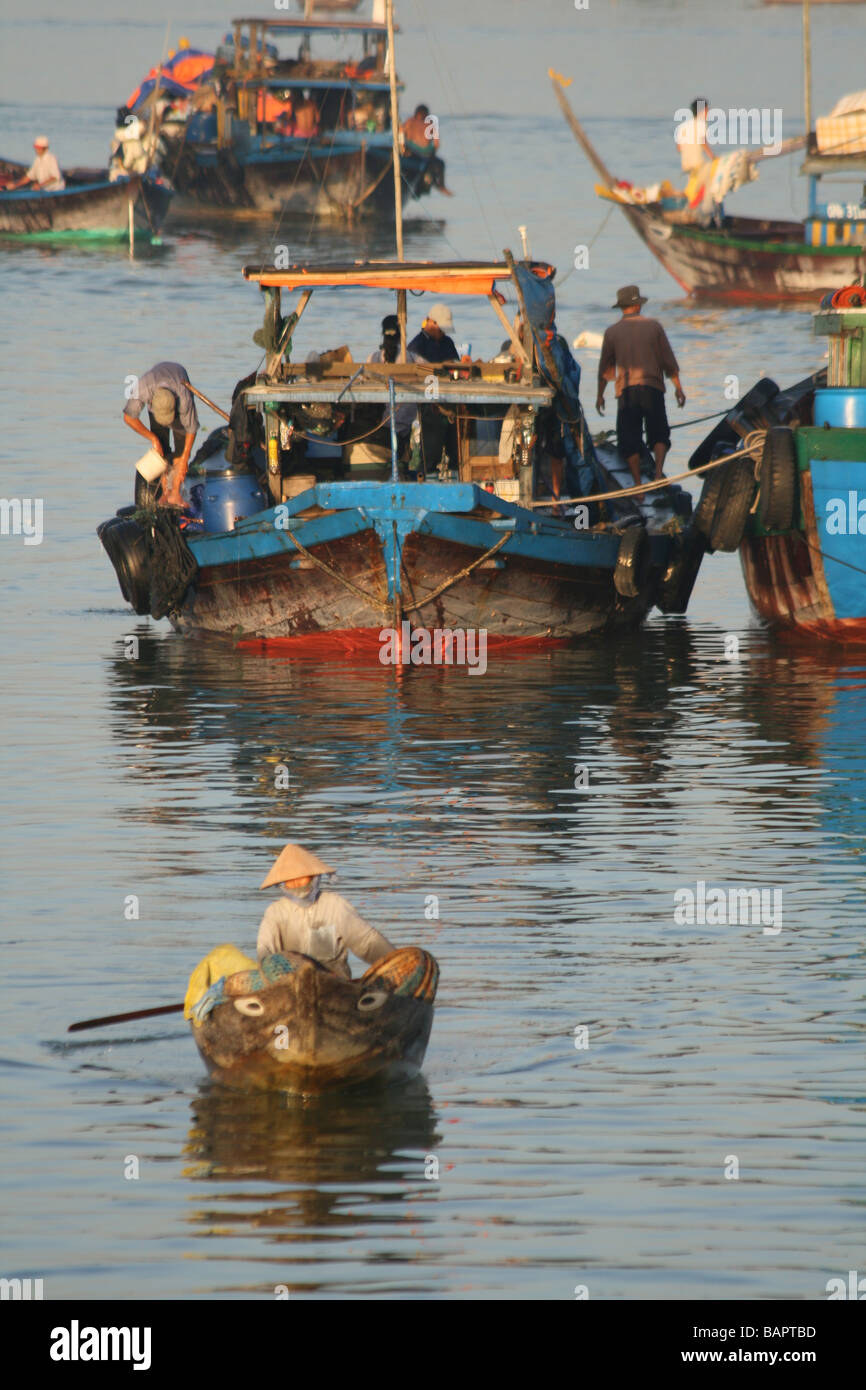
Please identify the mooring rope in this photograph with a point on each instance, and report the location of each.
(753, 443)
(461, 574)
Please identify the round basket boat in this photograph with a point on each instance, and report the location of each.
(293, 1025)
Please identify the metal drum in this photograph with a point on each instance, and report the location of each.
(222, 494)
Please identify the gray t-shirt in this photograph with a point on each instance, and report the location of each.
(174, 378)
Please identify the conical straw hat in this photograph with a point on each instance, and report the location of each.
(295, 862)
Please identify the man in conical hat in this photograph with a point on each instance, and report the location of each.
(313, 920)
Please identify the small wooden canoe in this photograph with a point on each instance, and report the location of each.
(293, 1025)
(90, 207)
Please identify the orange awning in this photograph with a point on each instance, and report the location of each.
(458, 277)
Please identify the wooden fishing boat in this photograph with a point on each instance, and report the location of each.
(91, 206)
(293, 1025)
(238, 154)
(800, 523)
(748, 260)
(319, 535)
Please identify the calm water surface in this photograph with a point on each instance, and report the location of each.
(557, 1165)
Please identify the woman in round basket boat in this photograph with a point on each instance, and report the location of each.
(308, 920)
(313, 920)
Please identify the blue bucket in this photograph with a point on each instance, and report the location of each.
(841, 407)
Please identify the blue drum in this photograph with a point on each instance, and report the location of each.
(222, 494)
(841, 407)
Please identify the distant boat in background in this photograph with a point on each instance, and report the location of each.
(752, 260)
(90, 207)
(270, 130)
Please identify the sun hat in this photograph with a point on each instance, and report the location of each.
(441, 316)
(41, 140)
(294, 862)
(628, 295)
(163, 407)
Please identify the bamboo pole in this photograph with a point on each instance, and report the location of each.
(578, 131)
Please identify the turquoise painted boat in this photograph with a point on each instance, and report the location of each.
(799, 517)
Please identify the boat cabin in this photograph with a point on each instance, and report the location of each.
(330, 418)
(294, 78)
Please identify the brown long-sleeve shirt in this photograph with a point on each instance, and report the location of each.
(636, 352)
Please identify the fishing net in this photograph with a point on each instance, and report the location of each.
(172, 563)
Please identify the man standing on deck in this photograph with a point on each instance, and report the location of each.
(636, 354)
(691, 138)
(165, 390)
(44, 173)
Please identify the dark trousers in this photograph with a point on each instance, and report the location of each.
(437, 433)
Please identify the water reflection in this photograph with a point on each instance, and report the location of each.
(315, 1168)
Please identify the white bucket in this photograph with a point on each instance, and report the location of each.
(151, 466)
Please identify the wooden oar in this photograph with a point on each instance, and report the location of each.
(124, 1018)
(202, 397)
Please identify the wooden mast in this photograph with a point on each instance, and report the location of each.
(398, 181)
(807, 68)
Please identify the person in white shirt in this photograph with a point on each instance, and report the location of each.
(312, 920)
(691, 138)
(44, 173)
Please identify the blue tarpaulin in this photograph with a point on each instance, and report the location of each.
(559, 369)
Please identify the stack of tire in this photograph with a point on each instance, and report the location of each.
(728, 495)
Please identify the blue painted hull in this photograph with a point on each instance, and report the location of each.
(813, 578)
(330, 176)
(370, 553)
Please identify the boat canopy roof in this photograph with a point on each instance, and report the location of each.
(319, 26)
(444, 277)
(313, 83)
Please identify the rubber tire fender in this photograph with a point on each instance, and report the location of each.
(126, 545)
(778, 485)
(734, 505)
(632, 563)
(678, 580)
(705, 511)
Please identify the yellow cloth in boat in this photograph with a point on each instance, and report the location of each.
(222, 960)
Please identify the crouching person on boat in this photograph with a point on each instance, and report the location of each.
(312, 920)
(165, 390)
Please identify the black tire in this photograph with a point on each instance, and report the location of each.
(678, 580)
(734, 505)
(778, 486)
(752, 412)
(632, 563)
(126, 545)
(705, 511)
